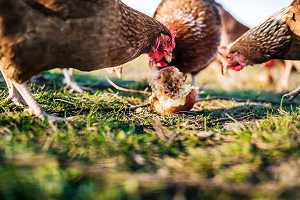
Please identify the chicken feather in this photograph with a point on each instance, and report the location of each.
(198, 30)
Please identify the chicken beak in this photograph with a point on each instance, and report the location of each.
(224, 70)
(119, 72)
(151, 62)
(168, 56)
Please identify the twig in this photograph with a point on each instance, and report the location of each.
(125, 89)
(119, 98)
(241, 100)
(126, 108)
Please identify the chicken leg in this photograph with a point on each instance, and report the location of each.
(13, 94)
(194, 83)
(34, 106)
(293, 94)
(70, 81)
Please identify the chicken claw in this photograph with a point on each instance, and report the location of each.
(293, 94)
(33, 106)
(70, 81)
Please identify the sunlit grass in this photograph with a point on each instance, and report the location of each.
(223, 149)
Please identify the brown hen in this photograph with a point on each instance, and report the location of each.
(278, 37)
(232, 29)
(198, 27)
(39, 35)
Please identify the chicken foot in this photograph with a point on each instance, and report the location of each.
(33, 106)
(70, 81)
(293, 94)
(13, 94)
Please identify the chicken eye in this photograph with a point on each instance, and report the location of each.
(168, 40)
(228, 57)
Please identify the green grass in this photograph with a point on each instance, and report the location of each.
(223, 149)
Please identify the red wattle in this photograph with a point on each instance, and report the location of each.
(236, 68)
(161, 64)
(269, 63)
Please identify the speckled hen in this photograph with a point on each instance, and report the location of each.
(232, 30)
(278, 37)
(39, 35)
(198, 28)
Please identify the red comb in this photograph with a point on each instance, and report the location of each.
(173, 33)
(157, 44)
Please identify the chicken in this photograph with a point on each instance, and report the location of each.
(278, 37)
(198, 30)
(232, 30)
(39, 35)
(285, 68)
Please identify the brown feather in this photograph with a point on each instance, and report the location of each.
(39, 35)
(198, 27)
(278, 37)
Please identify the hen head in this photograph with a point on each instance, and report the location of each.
(232, 60)
(163, 48)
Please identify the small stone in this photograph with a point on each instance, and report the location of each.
(204, 134)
